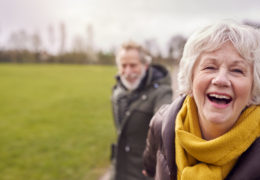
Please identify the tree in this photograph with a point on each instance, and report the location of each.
(19, 40)
(90, 44)
(36, 42)
(62, 37)
(79, 44)
(51, 37)
(175, 47)
(152, 46)
(0, 36)
(251, 23)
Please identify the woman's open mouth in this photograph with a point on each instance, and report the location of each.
(219, 99)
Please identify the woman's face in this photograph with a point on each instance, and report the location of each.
(222, 84)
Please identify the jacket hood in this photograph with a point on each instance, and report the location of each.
(157, 74)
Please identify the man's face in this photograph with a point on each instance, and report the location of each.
(131, 70)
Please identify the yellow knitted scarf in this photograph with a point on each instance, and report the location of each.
(199, 159)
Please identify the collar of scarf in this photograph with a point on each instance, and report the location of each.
(197, 158)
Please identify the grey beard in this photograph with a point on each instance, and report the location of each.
(133, 86)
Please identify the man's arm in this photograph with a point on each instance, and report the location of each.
(164, 96)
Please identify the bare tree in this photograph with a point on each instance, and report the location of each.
(79, 44)
(0, 36)
(152, 46)
(175, 47)
(90, 43)
(62, 37)
(51, 37)
(36, 42)
(19, 40)
(90, 38)
(253, 24)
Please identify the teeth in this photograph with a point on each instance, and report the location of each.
(219, 96)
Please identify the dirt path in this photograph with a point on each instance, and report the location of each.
(105, 176)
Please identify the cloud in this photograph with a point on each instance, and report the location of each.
(114, 21)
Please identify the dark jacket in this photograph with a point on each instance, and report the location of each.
(132, 114)
(159, 155)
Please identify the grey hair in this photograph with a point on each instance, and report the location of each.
(145, 57)
(245, 39)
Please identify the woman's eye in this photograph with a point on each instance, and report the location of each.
(209, 68)
(238, 71)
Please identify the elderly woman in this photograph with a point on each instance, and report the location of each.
(211, 131)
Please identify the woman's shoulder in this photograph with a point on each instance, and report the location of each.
(166, 114)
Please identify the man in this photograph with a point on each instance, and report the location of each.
(140, 90)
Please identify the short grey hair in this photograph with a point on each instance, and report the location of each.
(245, 39)
(145, 57)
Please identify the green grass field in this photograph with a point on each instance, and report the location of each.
(55, 121)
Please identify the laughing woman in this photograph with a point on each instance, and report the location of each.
(211, 131)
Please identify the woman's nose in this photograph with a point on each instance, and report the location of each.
(221, 79)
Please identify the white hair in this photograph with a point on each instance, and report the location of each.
(145, 57)
(244, 38)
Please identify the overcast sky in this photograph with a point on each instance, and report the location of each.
(114, 21)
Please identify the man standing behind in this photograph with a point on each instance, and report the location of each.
(140, 90)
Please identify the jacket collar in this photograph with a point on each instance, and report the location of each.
(168, 133)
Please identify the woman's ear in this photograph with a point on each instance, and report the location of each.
(190, 93)
(250, 102)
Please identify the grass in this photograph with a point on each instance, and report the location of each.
(55, 121)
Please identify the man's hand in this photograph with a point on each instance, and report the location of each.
(144, 172)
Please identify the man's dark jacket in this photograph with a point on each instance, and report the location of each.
(132, 114)
(159, 155)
